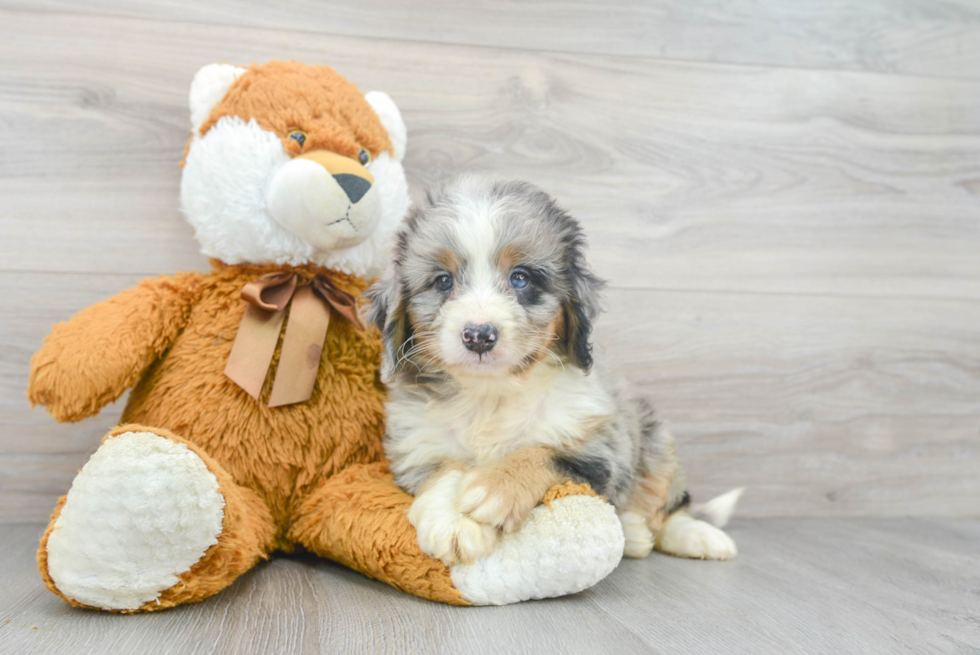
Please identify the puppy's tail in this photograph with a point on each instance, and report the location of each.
(719, 509)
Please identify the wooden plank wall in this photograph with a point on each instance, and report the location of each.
(785, 202)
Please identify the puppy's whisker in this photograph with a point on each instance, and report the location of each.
(404, 356)
(424, 368)
(424, 349)
(553, 355)
(414, 337)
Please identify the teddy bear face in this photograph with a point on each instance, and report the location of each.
(291, 164)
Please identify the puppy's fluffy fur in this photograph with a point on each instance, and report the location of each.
(495, 392)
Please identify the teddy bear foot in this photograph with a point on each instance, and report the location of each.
(567, 545)
(142, 511)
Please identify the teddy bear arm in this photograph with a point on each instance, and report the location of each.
(358, 518)
(90, 360)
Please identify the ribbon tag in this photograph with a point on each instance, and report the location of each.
(302, 345)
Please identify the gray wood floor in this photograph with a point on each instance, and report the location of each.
(784, 196)
(815, 586)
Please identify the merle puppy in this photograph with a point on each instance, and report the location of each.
(496, 394)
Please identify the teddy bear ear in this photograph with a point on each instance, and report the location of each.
(210, 85)
(391, 118)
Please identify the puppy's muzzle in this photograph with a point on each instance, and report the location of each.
(480, 338)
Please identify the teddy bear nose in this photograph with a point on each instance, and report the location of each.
(354, 186)
(350, 176)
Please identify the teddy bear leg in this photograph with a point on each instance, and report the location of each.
(359, 518)
(151, 521)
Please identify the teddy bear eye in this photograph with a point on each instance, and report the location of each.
(298, 136)
(364, 157)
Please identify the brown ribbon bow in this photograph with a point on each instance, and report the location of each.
(302, 345)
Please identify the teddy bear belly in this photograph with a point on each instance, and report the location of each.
(283, 453)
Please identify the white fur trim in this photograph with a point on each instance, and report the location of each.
(391, 118)
(209, 87)
(142, 511)
(223, 195)
(559, 550)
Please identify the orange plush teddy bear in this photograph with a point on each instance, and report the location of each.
(256, 419)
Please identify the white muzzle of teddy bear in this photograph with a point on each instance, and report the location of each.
(329, 201)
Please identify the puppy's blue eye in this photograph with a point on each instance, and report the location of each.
(443, 282)
(299, 136)
(519, 278)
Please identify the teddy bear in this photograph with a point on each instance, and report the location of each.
(256, 415)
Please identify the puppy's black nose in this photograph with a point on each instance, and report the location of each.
(480, 338)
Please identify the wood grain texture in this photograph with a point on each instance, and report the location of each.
(714, 177)
(923, 37)
(845, 406)
(798, 586)
(792, 253)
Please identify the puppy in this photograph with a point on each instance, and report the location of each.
(486, 311)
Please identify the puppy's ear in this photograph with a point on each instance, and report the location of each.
(580, 309)
(385, 309)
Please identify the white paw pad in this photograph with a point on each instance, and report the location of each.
(142, 511)
(685, 536)
(444, 533)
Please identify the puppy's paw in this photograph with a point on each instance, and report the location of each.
(493, 495)
(639, 537)
(443, 532)
(685, 536)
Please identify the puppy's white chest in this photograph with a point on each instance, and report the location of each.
(488, 428)
(478, 425)
(488, 424)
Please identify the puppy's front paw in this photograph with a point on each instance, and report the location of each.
(443, 532)
(639, 537)
(492, 494)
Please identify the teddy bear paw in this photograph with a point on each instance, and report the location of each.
(564, 547)
(142, 511)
